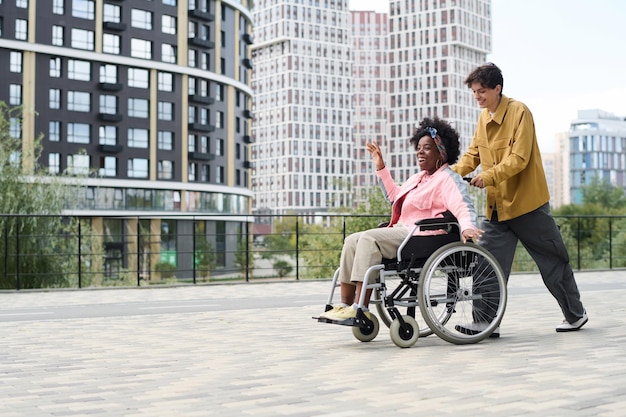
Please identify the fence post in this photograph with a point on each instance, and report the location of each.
(578, 232)
(138, 252)
(80, 263)
(297, 250)
(610, 243)
(17, 253)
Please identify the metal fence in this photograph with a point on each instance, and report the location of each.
(38, 251)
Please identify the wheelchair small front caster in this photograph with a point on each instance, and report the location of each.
(367, 334)
(404, 334)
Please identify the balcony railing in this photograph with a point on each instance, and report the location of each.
(38, 251)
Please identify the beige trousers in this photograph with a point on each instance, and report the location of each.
(364, 249)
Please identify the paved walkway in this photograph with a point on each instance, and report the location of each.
(277, 361)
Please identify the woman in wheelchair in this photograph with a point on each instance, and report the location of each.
(432, 191)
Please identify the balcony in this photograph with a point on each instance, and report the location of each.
(108, 117)
(248, 139)
(248, 165)
(114, 26)
(247, 38)
(199, 14)
(248, 114)
(110, 148)
(202, 43)
(201, 127)
(246, 62)
(110, 86)
(197, 98)
(201, 156)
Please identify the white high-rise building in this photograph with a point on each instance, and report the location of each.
(434, 45)
(303, 106)
(371, 74)
(597, 151)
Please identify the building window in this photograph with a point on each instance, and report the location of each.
(206, 173)
(57, 35)
(165, 81)
(78, 101)
(138, 107)
(223, 38)
(219, 92)
(55, 67)
(54, 131)
(219, 175)
(191, 171)
(165, 170)
(79, 70)
(192, 58)
(78, 164)
(21, 29)
(108, 166)
(82, 39)
(108, 73)
(168, 24)
(168, 53)
(112, 13)
(140, 48)
(21, 4)
(165, 140)
(108, 104)
(107, 135)
(54, 98)
(191, 143)
(138, 168)
(204, 61)
(15, 62)
(169, 2)
(83, 9)
(78, 133)
(58, 7)
(54, 163)
(15, 94)
(141, 19)
(138, 78)
(165, 110)
(204, 144)
(15, 128)
(111, 44)
(138, 138)
(219, 120)
(219, 147)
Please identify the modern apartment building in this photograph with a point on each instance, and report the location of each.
(597, 149)
(370, 99)
(302, 78)
(434, 45)
(152, 98)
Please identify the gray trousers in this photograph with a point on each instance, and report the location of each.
(367, 248)
(539, 234)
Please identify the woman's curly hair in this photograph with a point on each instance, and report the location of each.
(449, 136)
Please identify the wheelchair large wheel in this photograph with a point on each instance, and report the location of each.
(462, 293)
(392, 282)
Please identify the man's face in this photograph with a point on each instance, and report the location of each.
(487, 98)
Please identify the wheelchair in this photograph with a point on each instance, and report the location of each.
(453, 284)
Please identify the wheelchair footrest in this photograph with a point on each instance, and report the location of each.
(347, 322)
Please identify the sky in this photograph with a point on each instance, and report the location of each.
(556, 56)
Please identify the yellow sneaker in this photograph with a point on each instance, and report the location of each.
(333, 310)
(345, 314)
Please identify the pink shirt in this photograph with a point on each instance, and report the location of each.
(425, 196)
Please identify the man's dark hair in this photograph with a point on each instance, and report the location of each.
(488, 75)
(449, 136)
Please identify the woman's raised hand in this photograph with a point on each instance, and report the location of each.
(377, 155)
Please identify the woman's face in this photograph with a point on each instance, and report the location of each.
(427, 154)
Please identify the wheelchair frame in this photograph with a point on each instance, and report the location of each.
(452, 283)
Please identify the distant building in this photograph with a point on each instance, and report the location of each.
(370, 94)
(152, 98)
(433, 45)
(597, 149)
(302, 78)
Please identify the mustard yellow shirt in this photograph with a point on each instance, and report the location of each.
(505, 145)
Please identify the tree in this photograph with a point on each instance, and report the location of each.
(37, 241)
